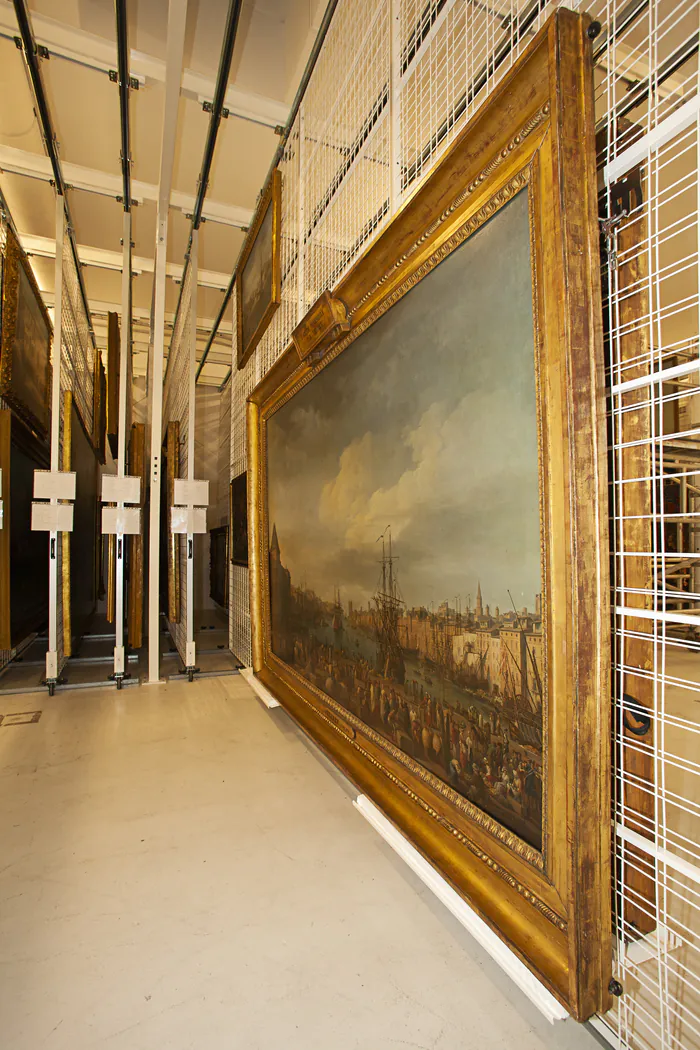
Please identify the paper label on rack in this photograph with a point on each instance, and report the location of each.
(121, 490)
(192, 520)
(54, 484)
(188, 493)
(52, 517)
(124, 521)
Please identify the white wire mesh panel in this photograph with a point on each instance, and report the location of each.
(450, 55)
(647, 81)
(395, 82)
(5, 654)
(345, 145)
(176, 408)
(77, 341)
(242, 384)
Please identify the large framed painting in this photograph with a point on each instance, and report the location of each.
(238, 519)
(259, 277)
(427, 473)
(25, 341)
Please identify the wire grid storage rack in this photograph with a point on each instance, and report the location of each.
(396, 80)
(5, 654)
(176, 409)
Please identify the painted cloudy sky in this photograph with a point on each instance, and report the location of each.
(426, 423)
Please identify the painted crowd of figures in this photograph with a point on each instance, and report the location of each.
(473, 749)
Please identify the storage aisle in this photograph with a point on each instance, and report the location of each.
(182, 869)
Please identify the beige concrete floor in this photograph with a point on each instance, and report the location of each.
(181, 869)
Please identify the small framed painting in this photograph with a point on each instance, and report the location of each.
(238, 519)
(25, 343)
(259, 279)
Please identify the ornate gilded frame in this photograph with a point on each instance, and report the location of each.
(271, 198)
(551, 907)
(15, 258)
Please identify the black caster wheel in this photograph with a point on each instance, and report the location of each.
(52, 688)
(190, 675)
(119, 683)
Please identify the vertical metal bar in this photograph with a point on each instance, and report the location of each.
(124, 344)
(52, 652)
(124, 381)
(191, 379)
(156, 442)
(193, 353)
(57, 343)
(177, 18)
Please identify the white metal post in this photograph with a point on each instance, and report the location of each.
(190, 646)
(156, 442)
(124, 380)
(52, 652)
(177, 17)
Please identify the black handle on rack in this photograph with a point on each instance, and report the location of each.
(637, 710)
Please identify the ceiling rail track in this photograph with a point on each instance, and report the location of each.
(301, 91)
(31, 58)
(215, 118)
(124, 87)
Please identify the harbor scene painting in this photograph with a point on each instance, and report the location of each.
(404, 536)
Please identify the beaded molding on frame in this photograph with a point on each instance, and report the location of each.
(534, 122)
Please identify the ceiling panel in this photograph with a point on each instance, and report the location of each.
(32, 204)
(84, 107)
(18, 126)
(218, 245)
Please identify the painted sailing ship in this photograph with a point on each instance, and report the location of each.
(387, 611)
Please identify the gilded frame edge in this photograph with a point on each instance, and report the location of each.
(271, 197)
(579, 983)
(14, 257)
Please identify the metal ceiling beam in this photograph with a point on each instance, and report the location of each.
(291, 117)
(229, 42)
(30, 52)
(104, 259)
(99, 309)
(95, 52)
(217, 109)
(124, 88)
(34, 165)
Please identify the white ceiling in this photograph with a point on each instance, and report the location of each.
(272, 46)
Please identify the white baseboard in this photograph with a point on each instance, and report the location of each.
(264, 694)
(605, 1032)
(506, 959)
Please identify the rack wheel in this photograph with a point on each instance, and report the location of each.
(190, 674)
(52, 688)
(119, 682)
